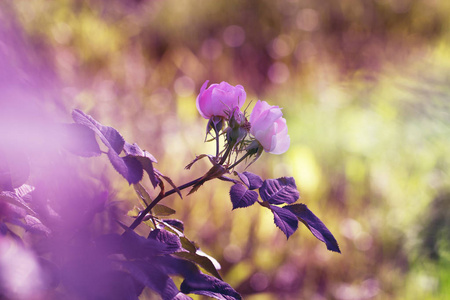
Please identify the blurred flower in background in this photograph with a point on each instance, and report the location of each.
(365, 89)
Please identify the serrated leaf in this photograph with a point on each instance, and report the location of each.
(201, 260)
(80, 140)
(130, 168)
(241, 196)
(135, 150)
(136, 246)
(279, 191)
(252, 181)
(285, 220)
(171, 240)
(127, 166)
(108, 135)
(315, 225)
(146, 160)
(206, 285)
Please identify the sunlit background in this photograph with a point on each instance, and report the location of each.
(365, 87)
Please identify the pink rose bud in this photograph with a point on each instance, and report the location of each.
(269, 128)
(219, 99)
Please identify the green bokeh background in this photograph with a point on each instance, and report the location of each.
(365, 87)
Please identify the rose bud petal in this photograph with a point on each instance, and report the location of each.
(219, 99)
(269, 128)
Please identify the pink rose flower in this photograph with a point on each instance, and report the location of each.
(219, 99)
(269, 128)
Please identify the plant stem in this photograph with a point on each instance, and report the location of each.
(217, 142)
(225, 156)
(240, 160)
(157, 199)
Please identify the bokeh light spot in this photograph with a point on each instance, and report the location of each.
(308, 19)
(62, 33)
(20, 274)
(281, 46)
(232, 253)
(211, 49)
(184, 86)
(259, 281)
(305, 51)
(234, 36)
(278, 72)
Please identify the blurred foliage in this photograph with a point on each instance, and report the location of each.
(365, 89)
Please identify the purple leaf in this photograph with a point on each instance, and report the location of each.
(129, 167)
(136, 246)
(241, 196)
(150, 276)
(252, 181)
(113, 137)
(202, 284)
(176, 266)
(135, 150)
(318, 229)
(279, 191)
(3, 229)
(108, 135)
(80, 140)
(171, 240)
(195, 281)
(109, 243)
(285, 220)
(93, 277)
(146, 160)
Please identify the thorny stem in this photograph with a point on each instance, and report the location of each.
(156, 201)
(186, 185)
